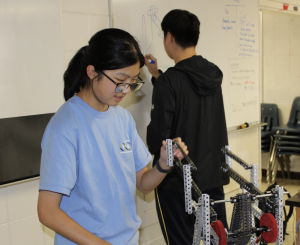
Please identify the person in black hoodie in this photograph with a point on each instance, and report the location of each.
(187, 102)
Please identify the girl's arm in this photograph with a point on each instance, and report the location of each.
(53, 217)
(148, 180)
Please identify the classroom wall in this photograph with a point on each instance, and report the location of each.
(281, 66)
(19, 223)
(278, 5)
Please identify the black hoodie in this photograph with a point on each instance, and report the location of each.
(187, 102)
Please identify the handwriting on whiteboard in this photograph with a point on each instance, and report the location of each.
(245, 104)
(243, 84)
(155, 28)
(236, 21)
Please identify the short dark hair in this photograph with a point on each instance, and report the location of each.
(183, 25)
(109, 49)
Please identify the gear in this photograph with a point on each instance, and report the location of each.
(220, 230)
(271, 234)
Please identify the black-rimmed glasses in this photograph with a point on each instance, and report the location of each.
(120, 87)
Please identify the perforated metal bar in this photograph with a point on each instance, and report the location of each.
(236, 158)
(202, 224)
(279, 214)
(253, 237)
(254, 181)
(170, 156)
(206, 219)
(198, 224)
(254, 176)
(244, 184)
(257, 212)
(215, 240)
(228, 158)
(187, 178)
(185, 156)
(196, 193)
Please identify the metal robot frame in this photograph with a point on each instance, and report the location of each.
(242, 228)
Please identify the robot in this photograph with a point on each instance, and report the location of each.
(242, 227)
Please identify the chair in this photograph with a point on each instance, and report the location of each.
(286, 142)
(269, 115)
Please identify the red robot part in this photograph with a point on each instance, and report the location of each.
(220, 230)
(268, 220)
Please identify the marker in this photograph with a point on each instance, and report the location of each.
(151, 61)
(245, 125)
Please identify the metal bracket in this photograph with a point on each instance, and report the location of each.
(170, 157)
(187, 188)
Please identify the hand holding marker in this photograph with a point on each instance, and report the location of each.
(150, 58)
(151, 61)
(151, 64)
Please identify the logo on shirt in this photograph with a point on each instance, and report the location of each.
(126, 147)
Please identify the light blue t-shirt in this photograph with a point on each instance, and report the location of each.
(92, 157)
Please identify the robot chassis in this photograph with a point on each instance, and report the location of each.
(242, 227)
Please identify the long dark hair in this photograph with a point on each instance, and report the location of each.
(109, 49)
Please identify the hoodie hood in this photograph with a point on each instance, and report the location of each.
(203, 76)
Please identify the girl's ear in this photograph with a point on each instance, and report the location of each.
(90, 71)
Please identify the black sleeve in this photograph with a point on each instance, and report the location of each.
(153, 79)
(162, 113)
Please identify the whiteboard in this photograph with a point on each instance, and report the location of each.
(229, 37)
(31, 60)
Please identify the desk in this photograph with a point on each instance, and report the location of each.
(295, 201)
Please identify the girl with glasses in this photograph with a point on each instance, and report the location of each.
(92, 157)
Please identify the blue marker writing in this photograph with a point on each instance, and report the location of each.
(151, 61)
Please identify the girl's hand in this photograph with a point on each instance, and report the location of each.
(176, 152)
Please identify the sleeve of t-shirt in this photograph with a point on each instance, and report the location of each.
(58, 163)
(140, 153)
